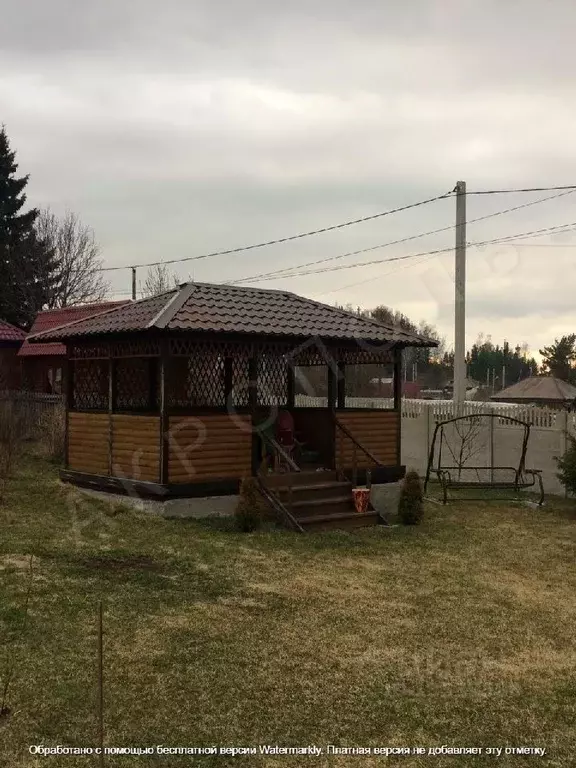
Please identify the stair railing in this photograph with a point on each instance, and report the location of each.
(343, 433)
(282, 460)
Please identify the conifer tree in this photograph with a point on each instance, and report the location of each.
(27, 267)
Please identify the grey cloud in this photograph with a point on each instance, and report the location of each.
(183, 127)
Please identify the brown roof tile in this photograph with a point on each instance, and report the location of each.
(237, 309)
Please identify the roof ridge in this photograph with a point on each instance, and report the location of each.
(171, 307)
(347, 313)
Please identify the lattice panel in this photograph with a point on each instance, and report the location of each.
(365, 353)
(90, 381)
(310, 352)
(136, 348)
(240, 382)
(272, 380)
(89, 351)
(136, 384)
(196, 381)
(183, 347)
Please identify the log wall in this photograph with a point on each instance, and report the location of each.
(378, 431)
(88, 442)
(209, 447)
(136, 447)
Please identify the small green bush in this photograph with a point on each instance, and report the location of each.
(411, 508)
(567, 465)
(248, 512)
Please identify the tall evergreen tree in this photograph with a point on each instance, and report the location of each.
(558, 359)
(27, 267)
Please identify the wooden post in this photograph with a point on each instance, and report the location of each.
(397, 384)
(332, 386)
(68, 400)
(228, 378)
(111, 404)
(252, 405)
(341, 386)
(164, 419)
(291, 394)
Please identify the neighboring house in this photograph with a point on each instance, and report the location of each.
(384, 387)
(471, 389)
(11, 339)
(43, 364)
(539, 390)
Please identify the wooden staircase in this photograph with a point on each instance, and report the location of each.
(318, 500)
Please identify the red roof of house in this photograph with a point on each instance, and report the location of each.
(54, 318)
(10, 332)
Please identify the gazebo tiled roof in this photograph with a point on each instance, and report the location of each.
(218, 308)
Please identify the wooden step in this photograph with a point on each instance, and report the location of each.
(326, 490)
(321, 506)
(280, 479)
(341, 521)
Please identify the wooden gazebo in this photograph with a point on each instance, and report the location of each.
(169, 395)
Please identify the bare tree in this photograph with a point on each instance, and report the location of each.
(79, 279)
(159, 280)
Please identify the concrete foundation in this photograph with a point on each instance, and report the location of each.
(196, 508)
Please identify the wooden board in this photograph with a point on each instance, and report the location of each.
(377, 431)
(211, 446)
(88, 442)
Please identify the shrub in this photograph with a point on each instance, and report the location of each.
(11, 436)
(410, 507)
(52, 425)
(567, 465)
(248, 512)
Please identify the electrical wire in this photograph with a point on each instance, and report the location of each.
(280, 272)
(528, 189)
(509, 238)
(229, 251)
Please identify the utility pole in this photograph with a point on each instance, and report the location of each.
(459, 391)
(503, 377)
(134, 283)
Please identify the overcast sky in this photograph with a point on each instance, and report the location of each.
(181, 128)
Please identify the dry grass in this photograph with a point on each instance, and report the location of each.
(459, 631)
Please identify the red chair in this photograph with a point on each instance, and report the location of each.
(285, 434)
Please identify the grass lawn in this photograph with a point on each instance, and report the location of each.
(460, 632)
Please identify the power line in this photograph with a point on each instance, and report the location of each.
(529, 189)
(229, 251)
(281, 272)
(385, 274)
(509, 238)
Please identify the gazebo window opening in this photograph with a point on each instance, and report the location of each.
(136, 384)
(311, 386)
(272, 386)
(90, 385)
(197, 381)
(370, 385)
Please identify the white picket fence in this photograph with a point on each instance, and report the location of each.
(548, 434)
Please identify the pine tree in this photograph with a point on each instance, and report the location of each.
(27, 267)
